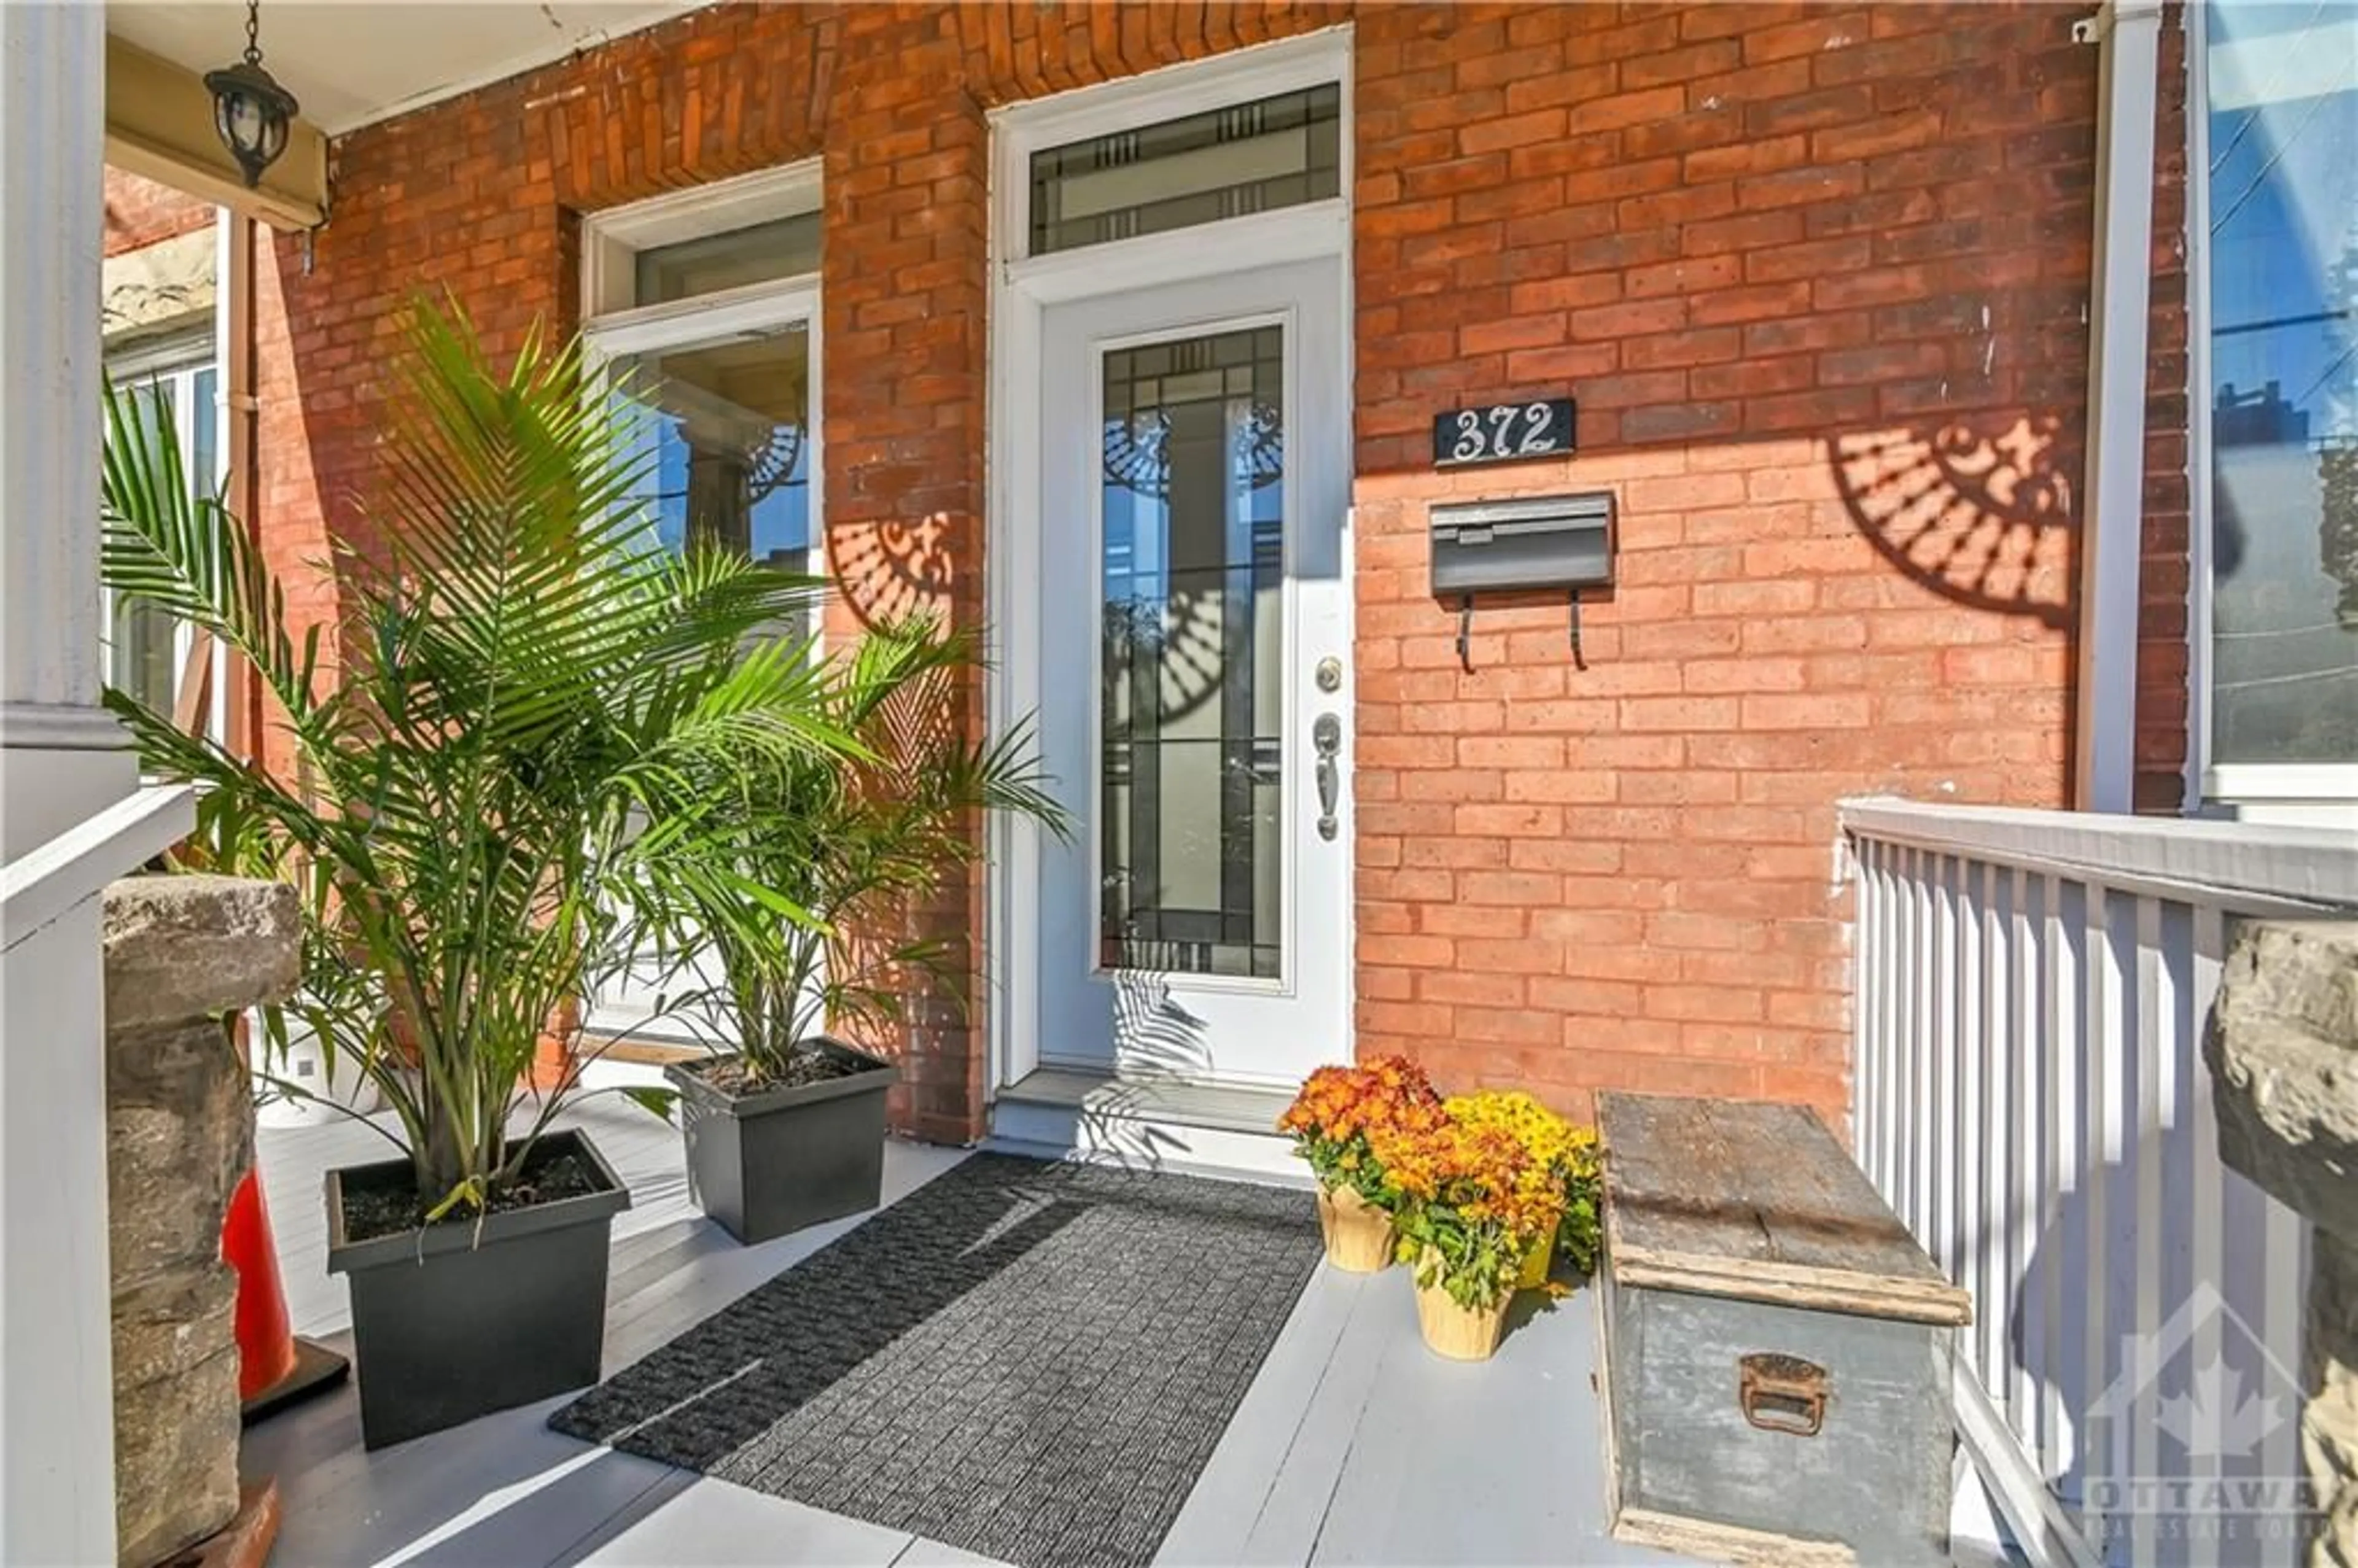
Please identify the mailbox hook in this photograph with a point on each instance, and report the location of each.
(1466, 634)
(1577, 662)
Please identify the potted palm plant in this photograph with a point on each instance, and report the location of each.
(785, 1122)
(484, 798)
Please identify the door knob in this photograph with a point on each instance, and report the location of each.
(1326, 740)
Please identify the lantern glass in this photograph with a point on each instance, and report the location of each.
(240, 119)
(252, 113)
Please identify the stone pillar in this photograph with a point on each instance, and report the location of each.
(2282, 1046)
(180, 951)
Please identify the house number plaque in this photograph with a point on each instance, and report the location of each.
(1502, 432)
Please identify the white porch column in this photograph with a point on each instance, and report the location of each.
(2112, 525)
(64, 755)
(61, 762)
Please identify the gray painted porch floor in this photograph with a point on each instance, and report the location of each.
(1353, 1444)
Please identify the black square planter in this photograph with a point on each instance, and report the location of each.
(774, 1162)
(460, 1320)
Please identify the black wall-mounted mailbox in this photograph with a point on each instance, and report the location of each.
(1546, 542)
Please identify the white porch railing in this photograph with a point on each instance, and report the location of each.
(2031, 1098)
(56, 1470)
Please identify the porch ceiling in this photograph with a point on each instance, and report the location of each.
(354, 62)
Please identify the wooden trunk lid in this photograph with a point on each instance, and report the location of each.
(1761, 1202)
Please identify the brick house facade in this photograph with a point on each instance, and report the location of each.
(1818, 278)
(140, 212)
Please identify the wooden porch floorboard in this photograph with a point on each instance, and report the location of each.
(1353, 1445)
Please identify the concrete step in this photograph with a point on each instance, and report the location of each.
(1220, 1129)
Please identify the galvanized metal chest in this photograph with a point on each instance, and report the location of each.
(1776, 1346)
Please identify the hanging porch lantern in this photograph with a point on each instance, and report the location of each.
(251, 111)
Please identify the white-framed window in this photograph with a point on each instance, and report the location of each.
(172, 387)
(704, 318)
(2273, 213)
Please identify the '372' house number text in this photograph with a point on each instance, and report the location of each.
(1502, 432)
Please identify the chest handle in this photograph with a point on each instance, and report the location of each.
(1781, 1393)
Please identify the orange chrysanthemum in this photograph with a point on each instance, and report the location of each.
(1341, 1111)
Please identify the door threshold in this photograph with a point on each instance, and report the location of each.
(1225, 1129)
(1192, 1102)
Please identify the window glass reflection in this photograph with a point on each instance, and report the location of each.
(727, 429)
(2283, 275)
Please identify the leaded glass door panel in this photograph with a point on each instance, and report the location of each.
(1194, 642)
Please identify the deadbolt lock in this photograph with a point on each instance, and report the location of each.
(1329, 674)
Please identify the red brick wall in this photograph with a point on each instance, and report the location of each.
(139, 212)
(2165, 571)
(1816, 278)
(481, 196)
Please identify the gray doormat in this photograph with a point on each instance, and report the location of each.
(1031, 1361)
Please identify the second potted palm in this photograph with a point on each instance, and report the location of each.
(785, 1123)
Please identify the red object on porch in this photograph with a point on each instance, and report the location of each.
(553, 1061)
(265, 1342)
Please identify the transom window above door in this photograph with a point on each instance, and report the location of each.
(1285, 150)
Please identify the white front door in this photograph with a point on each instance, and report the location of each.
(1194, 655)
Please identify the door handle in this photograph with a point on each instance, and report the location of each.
(1326, 739)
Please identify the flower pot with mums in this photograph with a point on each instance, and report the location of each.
(1581, 1234)
(1473, 1203)
(1335, 1121)
(1569, 1152)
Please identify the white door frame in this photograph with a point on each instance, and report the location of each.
(1022, 288)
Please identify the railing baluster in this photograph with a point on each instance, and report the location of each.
(2286, 1272)
(1993, 1288)
(2207, 1212)
(1892, 961)
(2137, 1323)
(2028, 1133)
(2181, 1113)
(1922, 1099)
(2112, 1007)
(1898, 1020)
(2246, 1287)
(1966, 1149)
(1866, 990)
(1898, 959)
(1946, 1072)
(1912, 959)
(2032, 1102)
(2067, 1083)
